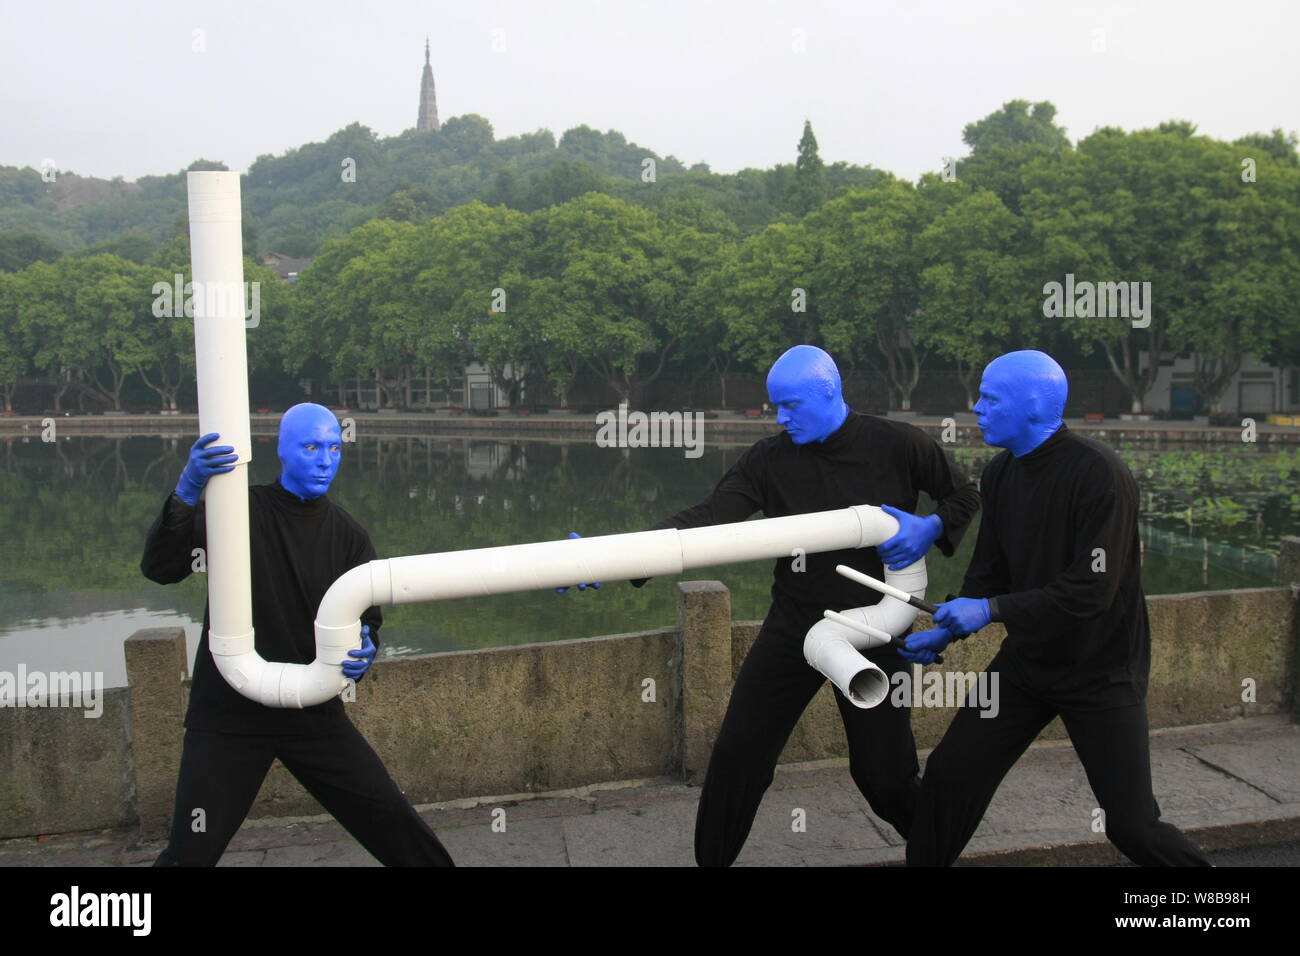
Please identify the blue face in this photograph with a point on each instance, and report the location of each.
(991, 410)
(309, 456)
(1000, 411)
(803, 410)
(1022, 396)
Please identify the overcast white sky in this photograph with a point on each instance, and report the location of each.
(116, 88)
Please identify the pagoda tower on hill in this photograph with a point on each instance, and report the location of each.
(428, 99)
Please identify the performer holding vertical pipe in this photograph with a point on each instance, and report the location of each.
(1057, 562)
(301, 542)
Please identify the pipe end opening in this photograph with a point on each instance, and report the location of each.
(868, 688)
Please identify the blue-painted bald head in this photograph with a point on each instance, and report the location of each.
(1022, 398)
(804, 385)
(310, 448)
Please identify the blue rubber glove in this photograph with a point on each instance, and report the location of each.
(915, 535)
(581, 587)
(364, 657)
(203, 464)
(962, 616)
(923, 647)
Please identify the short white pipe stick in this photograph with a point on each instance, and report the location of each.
(865, 629)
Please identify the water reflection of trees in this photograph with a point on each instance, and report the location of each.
(75, 510)
(75, 513)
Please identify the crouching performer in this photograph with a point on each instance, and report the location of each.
(300, 543)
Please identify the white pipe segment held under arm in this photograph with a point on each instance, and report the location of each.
(833, 648)
(217, 255)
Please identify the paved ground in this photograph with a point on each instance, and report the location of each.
(1230, 785)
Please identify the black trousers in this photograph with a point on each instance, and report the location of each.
(964, 772)
(221, 774)
(772, 690)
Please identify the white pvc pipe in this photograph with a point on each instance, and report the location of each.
(217, 259)
(833, 646)
(216, 248)
(548, 564)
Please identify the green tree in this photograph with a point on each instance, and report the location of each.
(15, 339)
(166, 363)
(1281, 146)
(973, 283)
(342, 301)
(867, 280)
(809, 189)
(565, 180)
(1131, 208)
(1005, 145)
(767, 296)
(132, 246)
(613, 263)
(18, 252)
(1252, 284)
(114, 299)
(412, 204)
(63, 337)
(1015, 123)
(464, 258)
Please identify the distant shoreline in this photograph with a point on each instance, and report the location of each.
(509, 425)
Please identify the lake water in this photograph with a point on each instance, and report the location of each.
(75, 513)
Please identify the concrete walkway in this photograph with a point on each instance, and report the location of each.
(1227, 785)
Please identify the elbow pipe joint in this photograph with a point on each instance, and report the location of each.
(835, 650)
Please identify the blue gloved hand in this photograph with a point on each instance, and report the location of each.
(581, 587)
(962, 616)
(923, 647)
(363, 658)
(915, 535)
(203, 464)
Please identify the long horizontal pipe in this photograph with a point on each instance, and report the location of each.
(526, 567)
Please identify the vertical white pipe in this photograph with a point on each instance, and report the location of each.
(217, 258)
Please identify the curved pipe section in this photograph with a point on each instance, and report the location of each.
(834, 649)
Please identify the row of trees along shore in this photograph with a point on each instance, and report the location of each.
(633, 280)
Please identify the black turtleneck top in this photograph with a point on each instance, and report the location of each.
(1058, 552)
(866, 461)
(298, 549)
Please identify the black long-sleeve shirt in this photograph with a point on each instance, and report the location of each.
(298, 549)
(1058, 552)
(866, 461)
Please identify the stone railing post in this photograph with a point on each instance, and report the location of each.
(1288, 561)
(703, 670)
(1288, 575)
(156, 670)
